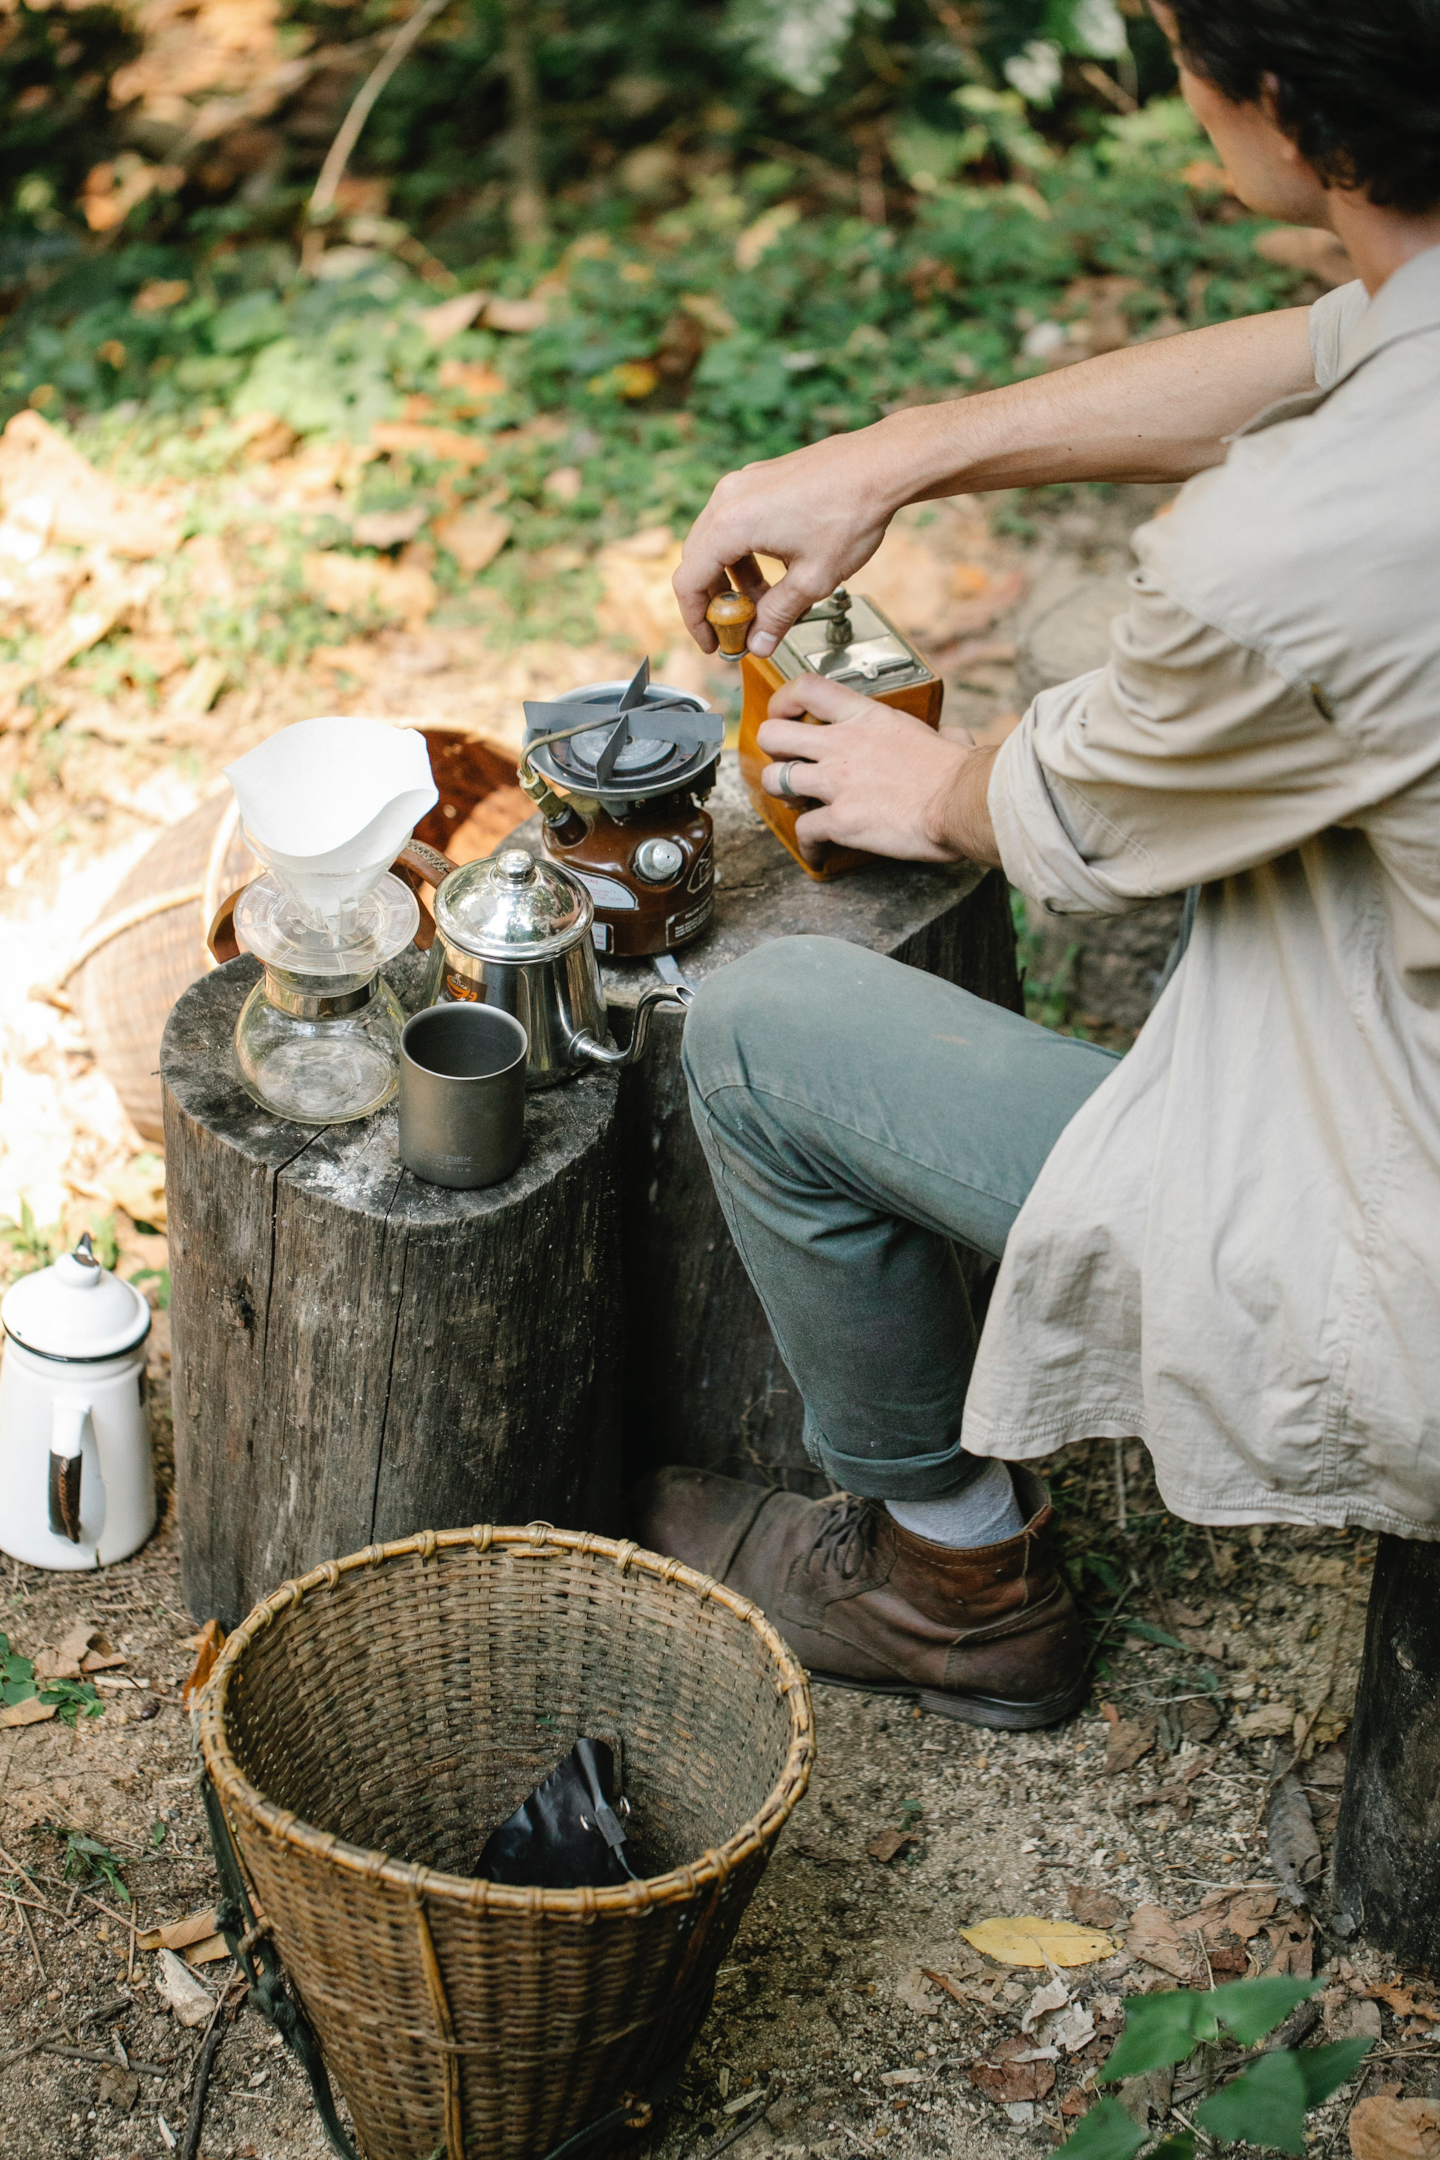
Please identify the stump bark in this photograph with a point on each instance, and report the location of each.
(704, 1383)
(1386, 1865)
(359, 1355)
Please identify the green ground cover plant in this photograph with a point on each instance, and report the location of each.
(1264, 2103)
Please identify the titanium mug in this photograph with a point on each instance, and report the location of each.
(462, 1094)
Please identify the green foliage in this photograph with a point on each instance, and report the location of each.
(70, 1699)
(1105, 2133)
(73, 1699)
(31, 1246)
(17, 1675)
(161, 1278)
(1168, 2027)
(1265, 2105)
(86, 1859)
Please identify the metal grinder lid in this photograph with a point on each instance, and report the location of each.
(513, 906)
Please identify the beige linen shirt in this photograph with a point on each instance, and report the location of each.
(1234, 1249)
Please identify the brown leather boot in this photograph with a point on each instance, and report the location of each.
(989, 1635)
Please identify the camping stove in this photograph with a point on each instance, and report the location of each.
(621, 772)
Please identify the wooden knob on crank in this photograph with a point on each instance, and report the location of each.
(730, 615)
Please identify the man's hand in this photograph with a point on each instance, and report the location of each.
(1159, 411)
(884, 781)
(822, 511)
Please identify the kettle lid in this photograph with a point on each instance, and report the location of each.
(75, 1311)
(513, 906)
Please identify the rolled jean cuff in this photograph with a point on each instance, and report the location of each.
(905, 1477)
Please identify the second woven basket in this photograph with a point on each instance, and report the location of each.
(367, 1726)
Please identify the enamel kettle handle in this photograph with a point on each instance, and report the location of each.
(67, 1440)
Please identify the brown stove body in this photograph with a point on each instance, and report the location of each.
(638, 914)
(623, 796)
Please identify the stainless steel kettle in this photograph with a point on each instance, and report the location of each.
(515, 931)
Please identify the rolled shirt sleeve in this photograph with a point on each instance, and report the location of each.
(1187, 758)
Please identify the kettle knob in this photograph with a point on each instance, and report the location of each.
(730, 615)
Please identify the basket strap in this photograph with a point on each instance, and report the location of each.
(272, 1997)
(637, 2110)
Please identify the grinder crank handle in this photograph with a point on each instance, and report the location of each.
(730, 615)
(676, 997)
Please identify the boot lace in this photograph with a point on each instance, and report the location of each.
(846, 1537)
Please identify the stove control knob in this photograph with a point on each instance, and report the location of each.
(658, 861)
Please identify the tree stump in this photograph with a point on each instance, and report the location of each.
(704, 1383)
(359, 1355)
(1386, 1866)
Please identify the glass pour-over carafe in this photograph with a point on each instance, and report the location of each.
(327, 805)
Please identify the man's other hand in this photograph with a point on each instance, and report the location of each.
(882, 780)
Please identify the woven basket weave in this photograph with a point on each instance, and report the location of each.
(367, 1726)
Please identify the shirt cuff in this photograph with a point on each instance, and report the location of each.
(1037, 851)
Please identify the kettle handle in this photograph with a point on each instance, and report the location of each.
(71, 1415)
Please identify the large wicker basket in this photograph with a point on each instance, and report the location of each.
(365, 1729)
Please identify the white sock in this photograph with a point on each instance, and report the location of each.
(984, 1512)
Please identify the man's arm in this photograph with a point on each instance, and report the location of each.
(1152, 412)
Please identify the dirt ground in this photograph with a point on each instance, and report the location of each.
(852, 2014)
(827, 2014)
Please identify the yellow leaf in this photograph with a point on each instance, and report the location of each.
(1030, 1940)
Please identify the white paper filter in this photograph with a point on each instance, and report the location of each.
(328, 804)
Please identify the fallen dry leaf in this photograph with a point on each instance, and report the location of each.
(1053, 1996)
(473, 537)
(207, 1646)
(355, 585)
(118, 2088)
(86, 509)
(1154, 1938)
(1241, 1911)
(33, 1712)
(1076, 2029)
(890, 1842)
(1403, 2002)
(180, 1933)
(441, 445)
(1012, 2072)
(515, 316)
(389, 528)
(1094, 1908)
(1127, 1740)
(1271, 1721)
(1031, 1941)
(1295, 1852)
(450, 317)
(1292, 1949)
(1389, 2129)
(208, 1952)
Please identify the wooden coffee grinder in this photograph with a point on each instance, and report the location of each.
(847, 638)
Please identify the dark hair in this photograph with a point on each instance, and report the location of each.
(1359, 83)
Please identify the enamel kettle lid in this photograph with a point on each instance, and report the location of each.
(75, 1311)
(513, 906)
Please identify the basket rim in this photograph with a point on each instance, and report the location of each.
(474, 1893)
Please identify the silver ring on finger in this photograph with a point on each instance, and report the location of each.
(785, 782)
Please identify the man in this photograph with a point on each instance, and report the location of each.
(1227, 1243)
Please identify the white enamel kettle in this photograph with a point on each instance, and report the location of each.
(77, 1481)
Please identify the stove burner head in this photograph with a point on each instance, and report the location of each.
(625, 742)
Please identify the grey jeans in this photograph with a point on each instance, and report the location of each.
(861, 1119)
